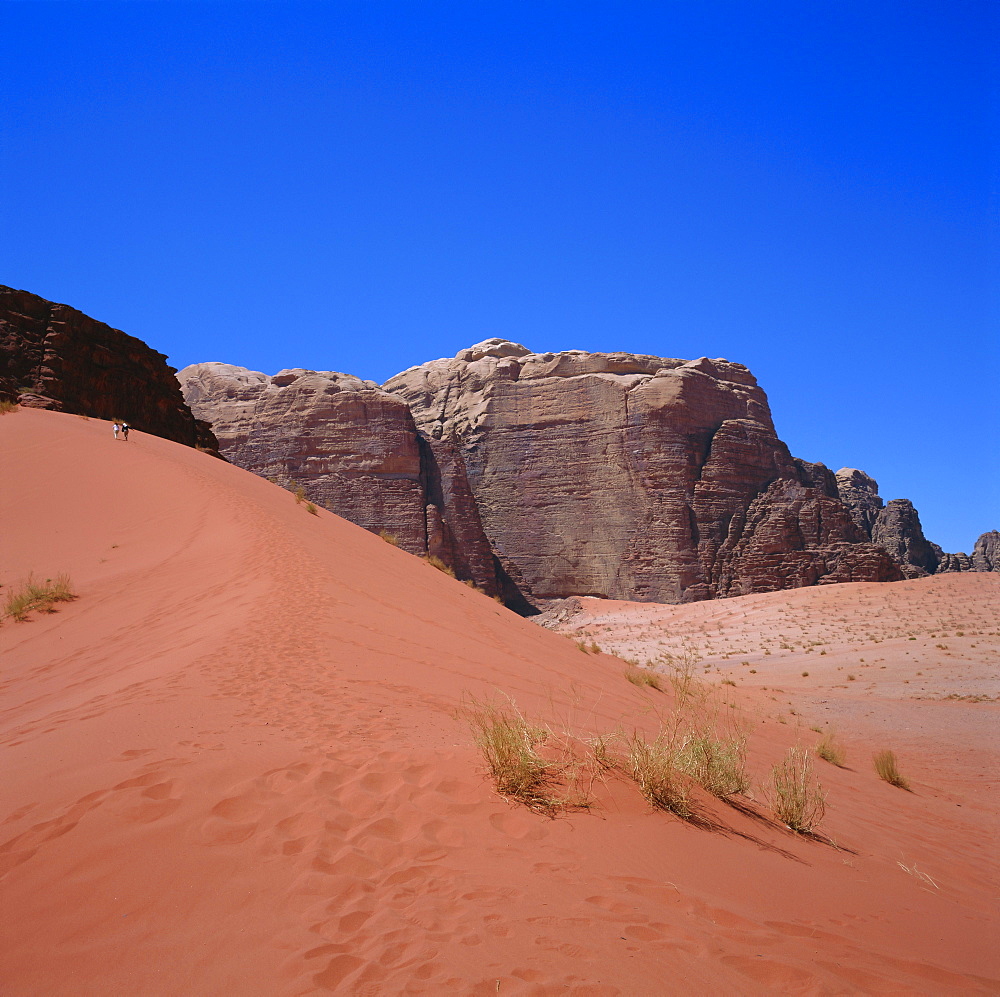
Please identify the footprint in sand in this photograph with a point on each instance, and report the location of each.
(517, 825)
(441, 833)
(776, 976)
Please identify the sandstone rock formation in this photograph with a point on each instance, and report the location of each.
(633, 477)
(52, 356)
(553, 475)
(354, 449)
(951, 562)
(859, 493)
(986, 553)
(896, 528)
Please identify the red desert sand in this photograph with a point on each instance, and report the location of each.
(235, 765)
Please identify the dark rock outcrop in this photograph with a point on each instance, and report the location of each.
(952, 562)
(986, 553)
(52, 356)
(859, 493)
(897, 530)
(354, 449)
(792, 536)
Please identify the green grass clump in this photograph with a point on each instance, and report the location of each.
(311, 509)
(887, 769)
(797, 799)
(31, 596)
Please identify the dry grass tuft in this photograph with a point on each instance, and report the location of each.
(797, 799)
(7, 406)
(888, 771)
(682, 677)
(300, 494)
(509, 743)
(435, 562)
(643, 677)
(830, 751)
(717, 763)
(31, 596)
(389, 538)
(311, 509)
(654, 767)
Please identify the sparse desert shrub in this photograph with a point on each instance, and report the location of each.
(31, 596)
(682, 676)
(717, 763)
(605, 752)
(311, 509)
(830, 751)
(595, 648)
(643, 677)
(389, 538)
(888, 770)
(300, 494)
(797, 799)
(7, 406)
(654, 767)
(435, 562)
(509, 743)
(582, 645)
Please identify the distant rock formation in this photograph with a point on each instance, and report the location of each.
(986, 553)
(859, 493)
(896, 528)
(354, 449)
(52, 356)
(635, 477)
(547, 476)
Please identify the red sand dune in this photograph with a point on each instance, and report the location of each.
(233, 766)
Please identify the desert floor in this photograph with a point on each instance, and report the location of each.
(237, 763)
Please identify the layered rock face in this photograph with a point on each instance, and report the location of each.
(635, 477)
(52, 356)
(896, 528)
(544, 476)
(354, 449)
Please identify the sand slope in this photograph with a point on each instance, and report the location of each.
(233, 766)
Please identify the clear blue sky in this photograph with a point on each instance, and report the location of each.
(802, 187)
